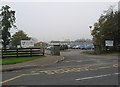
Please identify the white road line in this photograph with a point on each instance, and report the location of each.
(96, 76)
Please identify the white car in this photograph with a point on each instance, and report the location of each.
(76, 47)
(49, 47)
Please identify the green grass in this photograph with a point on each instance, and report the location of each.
(7, 61)
(116, 53)
(92, 53)
(47, 53)
(113, 53)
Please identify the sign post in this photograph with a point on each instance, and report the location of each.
(109, 43)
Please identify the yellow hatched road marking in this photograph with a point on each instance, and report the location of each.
(49, 72)
(17, 77)
(11, 79)
(105, 67)
(57, 71)
(60, 71)
(77, 70)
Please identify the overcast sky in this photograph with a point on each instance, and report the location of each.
(48, 21)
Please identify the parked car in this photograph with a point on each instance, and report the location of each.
(73, 47)
(77, 47)
(82, 47)
(63, 47)
(88, 47)
(69, 47)
(92, 47)
(49, 47)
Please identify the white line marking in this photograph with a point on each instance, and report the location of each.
(96, 76)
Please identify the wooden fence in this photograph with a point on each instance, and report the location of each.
(22, 52)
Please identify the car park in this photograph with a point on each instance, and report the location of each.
(82, 47)
(88, 47)
(49, 47)
(77, 47)
(73, 47)
(63, 47)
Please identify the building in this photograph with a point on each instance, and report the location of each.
(40, 44)
(54, 43)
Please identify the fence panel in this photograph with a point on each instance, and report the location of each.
(22, 52)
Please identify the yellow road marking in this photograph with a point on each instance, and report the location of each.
(78, 70)
(116, 65)
(57, 71)
(105, 67)
(49, 72)
(60, 71)
(75, 70)
(32, 74)
(17, 77)
(11, 79)
(66, 71)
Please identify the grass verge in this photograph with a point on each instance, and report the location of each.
(47, 53)
(114, 53)
(92, 53)
(7, 61)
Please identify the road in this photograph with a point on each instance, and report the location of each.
(76, 69)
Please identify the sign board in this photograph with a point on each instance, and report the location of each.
(108, 43)
(27, 43)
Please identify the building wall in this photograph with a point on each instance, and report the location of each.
(39, 44)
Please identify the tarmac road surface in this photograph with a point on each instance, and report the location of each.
(76, 69)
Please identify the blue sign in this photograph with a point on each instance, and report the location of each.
(23, 43)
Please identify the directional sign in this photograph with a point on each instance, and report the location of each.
(108, 43)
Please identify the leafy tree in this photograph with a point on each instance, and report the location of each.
(7, 21)
(107, 28)
(18, 36)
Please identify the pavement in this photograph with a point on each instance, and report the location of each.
(48, 60)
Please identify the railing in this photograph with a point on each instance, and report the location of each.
(22, 52)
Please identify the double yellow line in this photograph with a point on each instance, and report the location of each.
(18, 77)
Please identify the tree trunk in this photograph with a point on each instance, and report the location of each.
(4, 45)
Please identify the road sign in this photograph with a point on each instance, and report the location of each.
(108, 43)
